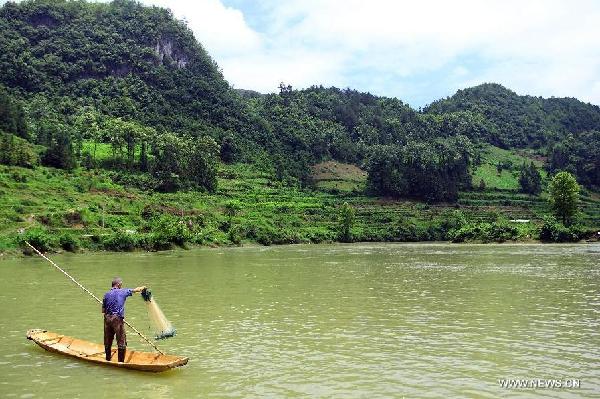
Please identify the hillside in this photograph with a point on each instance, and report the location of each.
(564, 130)
(118, 101)
(124, 59)
(522, 121)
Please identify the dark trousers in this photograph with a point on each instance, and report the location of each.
(113, 325)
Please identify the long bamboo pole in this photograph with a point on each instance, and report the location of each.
(92, 295)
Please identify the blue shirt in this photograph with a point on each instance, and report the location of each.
(114, 301)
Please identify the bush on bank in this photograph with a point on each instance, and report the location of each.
(165, 231)
(554, 231)
(499, 231)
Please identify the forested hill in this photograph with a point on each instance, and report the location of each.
(120, 58)
(522, 121)
(77, 78)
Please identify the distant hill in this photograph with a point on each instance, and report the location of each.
(132, 78)
(122, 58)
(249, 93)
(522, 121)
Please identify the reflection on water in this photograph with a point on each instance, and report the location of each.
(367, 320)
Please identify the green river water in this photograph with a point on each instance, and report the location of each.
(330, 321)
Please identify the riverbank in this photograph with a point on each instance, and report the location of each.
(97, 210)
(25, 253)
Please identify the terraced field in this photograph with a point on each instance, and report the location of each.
(247, 207)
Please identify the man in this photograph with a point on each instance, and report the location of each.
(113, 307)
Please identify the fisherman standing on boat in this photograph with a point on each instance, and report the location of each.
(113, 307)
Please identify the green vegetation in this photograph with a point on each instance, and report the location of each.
(565, 130)
(498, 231)
(554, 231)
(432, 171)
(18, 152)
(578, 155)
(521, 121)
(530, 179)
(564, 196)
(91, 210)
(347, 216)
(118, 131)
(499, 168)
(12, 116)
(336, 177)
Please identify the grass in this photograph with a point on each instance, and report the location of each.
(507, 179)
(87, 209)
(337, 177)
(103, 150)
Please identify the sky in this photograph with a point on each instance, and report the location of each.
(418, 50)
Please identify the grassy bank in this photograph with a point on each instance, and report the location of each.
(95, 210)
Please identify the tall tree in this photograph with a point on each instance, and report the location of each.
(202, 162)
(564, 196)
(346, 216)
(530, 179)
(12, 116)
(59, 152)
(87, 126)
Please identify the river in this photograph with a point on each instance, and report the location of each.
(343, 321)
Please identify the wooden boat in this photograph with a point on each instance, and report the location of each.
(136, 360)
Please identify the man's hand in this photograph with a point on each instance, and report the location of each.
(139, 289)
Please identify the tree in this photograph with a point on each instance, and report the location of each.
(179, 162)
(432, 170)
(168, 162)
(114, 131)
(87, 127)
(128, 134)
(346, 222)
(530, 179)
(564, 196)
(202, 162)
(481, 185)
(12, 116)
(579, 155)
(147, 134)
(17, 151)
(229, 149)
(59, 153)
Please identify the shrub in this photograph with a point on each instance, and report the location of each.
(266, 235)
(69, 242)
(346, 216)
(486, 232)
(405, 230)
(235, 235)
(554, 231)
(40, 238)
(120, 241)
(449, 221)
(167, 230)
(6, 242)
(17, 152)
(19, 177)
(142, 181)
(318, 235)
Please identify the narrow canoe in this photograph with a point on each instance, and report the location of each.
(144, 361)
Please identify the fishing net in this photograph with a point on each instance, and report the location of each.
(161, 327)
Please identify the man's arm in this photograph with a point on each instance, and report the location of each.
(139, 289)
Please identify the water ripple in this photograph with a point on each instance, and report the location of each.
(362, 321)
